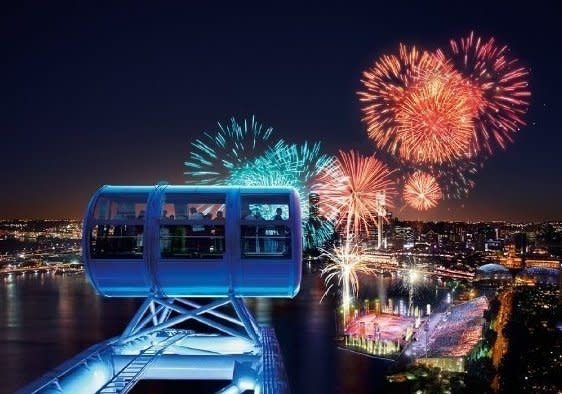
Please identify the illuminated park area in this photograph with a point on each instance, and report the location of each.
(381, 335)
(442, 339)
(448, 339)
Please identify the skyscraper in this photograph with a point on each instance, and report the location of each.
(314, 204)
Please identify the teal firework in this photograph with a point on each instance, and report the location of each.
(214, 156)
(285, 165)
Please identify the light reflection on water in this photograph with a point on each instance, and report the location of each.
(47, 318)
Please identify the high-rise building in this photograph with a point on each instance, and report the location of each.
(511, 260)
(314, 204)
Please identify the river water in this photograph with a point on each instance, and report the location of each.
(47, 318)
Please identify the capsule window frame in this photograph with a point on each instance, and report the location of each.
(112, 212)
(188, 200)
(137, 238)
(140, 204)
(248, 200)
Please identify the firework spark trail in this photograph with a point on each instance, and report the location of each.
(435, 121)
(345, 264)
(284, 165)
(456, 180)
(233, 146)
(317, 232)
(503, 86)
(350, 187)
(418, 107)
(422, 191)
(385, 85)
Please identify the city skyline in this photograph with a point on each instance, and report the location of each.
(92, 100)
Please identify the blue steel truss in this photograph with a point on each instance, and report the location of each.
(153, 346)
(125, 380)
(158, 313)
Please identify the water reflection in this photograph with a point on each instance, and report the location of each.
(46, 319)
(12, 317)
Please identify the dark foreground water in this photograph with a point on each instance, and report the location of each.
(46, 319)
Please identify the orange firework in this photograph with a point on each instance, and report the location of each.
(385, 83)
(422, 191)
(435, 119)
(350, 190)
(419, 107)
(502, 86)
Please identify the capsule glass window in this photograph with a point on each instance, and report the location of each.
(118, 230)
(192, 226)
(264, 226)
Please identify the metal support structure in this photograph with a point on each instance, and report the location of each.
(157, 314)
(153, 346)
(125, 380)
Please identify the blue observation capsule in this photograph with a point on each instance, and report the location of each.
(193, 241)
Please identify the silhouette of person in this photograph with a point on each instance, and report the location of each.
(280, 230)
(196, 230)
(218, 232)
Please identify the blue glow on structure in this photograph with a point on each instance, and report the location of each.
(155, 242)
(133, 249)
(87, 377)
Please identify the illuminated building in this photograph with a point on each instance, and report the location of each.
(403, 235)
(313, 204)
(535, 262)
(511, 260)
(492, 273)
(538, 275)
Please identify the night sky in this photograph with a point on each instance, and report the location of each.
(105, 93)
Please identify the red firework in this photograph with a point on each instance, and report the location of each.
(351, 190)
(422, 191)
(419, 107)
(501, 84)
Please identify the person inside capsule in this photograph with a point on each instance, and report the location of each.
(196, 230)
(218, 232)
(253, 233)
(280, 231)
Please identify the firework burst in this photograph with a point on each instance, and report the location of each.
(444, 112)
(499, 81)
(345, 264)
(418, 107)
(435, 120)
(385, 83)
(349, 190)
(317, 232)
(284, 165)
(422, 191)
(215, 156)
